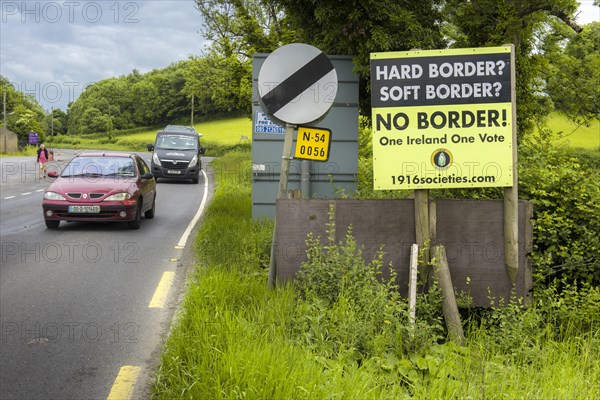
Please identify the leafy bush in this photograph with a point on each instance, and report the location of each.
(216, 149)
(571, 308)
(566, 198)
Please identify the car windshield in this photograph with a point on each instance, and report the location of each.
(100, 166)
(176, 142)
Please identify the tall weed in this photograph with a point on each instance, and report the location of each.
(349, 310)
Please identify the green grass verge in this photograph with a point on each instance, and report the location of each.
(235, 338)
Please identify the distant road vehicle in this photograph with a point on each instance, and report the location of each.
(176, 153)
(180, 128)
(103, 187)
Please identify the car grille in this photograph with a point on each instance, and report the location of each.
(104, 214)
(91, 195)
(174, 164)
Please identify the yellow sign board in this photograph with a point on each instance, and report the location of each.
(443, 118)
(313, 143)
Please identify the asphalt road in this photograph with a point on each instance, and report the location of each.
(75, 303)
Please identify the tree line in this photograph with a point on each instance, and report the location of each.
(557, 61)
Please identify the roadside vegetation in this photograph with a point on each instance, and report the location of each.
(347, 336)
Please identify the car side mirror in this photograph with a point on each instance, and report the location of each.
(202, 150)
(150, 147)
(147, 175)
(52, 174)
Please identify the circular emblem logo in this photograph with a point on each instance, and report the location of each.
(441, 159)
(85, 195)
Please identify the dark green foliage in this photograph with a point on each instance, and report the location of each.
(481, 23)
(227, 87)
(24, 113)
(155, 98)
(574, 68)
(566, 197)
(358, 28)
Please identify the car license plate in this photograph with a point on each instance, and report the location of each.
(173, 172)
(84, 209)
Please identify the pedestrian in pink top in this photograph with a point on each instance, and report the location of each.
(42, 159)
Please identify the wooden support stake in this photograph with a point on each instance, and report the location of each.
(449, 307)
(511, 194)
(421, 201)
(412, 285)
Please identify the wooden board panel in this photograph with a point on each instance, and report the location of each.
(471, 231)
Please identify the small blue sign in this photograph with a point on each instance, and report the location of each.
(263, 124)
(33, 138)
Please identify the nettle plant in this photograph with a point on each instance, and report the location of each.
(348, 309)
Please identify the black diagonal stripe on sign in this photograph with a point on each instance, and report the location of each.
(297, 83)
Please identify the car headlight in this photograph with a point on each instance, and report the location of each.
(155, 159)
(54, 196)
(118, 197)
(194, 161)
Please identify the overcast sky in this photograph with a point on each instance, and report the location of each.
(53, 49)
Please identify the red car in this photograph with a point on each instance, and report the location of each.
(103, 187)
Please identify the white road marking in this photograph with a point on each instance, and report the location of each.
(187, 232)
(23, 194)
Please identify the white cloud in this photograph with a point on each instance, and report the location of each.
(588, 12)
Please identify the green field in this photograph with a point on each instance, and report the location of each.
(570, 133)
(225, 132)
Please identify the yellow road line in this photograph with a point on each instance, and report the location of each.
(160, 296)
(122, 389)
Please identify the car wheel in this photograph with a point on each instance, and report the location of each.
(149, 214)
(135, 224)
(52, 223)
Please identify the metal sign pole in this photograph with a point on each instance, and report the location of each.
(294, 68)
(286, 158)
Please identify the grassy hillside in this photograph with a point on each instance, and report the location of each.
(587, 137)
(226, 132)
